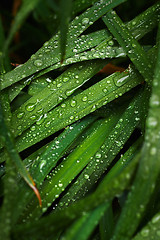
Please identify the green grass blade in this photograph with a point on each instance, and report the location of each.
(149, 168)
(106, 223)
(105, 155)
(151, 230)
(41, 163)
(44, 57)
(53, 94)
(65, 13)
(86, 102)
(129, 44)
(139, 26)
(83, 227)
(112, 184)
(14, 156)
(9, 201)
(25, 9)
(73, 164)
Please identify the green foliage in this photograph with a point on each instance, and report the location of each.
(80, 120)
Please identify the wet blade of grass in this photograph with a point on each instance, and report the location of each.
(105, 155)
(151, 230)
(13, 155)
(84, 103)
(45, 57)
(74, 163)
(145, 21)
(113, 183)
(53, 94)
(132, 48)
(148, 170)
(44, 160)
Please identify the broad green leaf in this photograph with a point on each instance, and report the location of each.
(148, 170)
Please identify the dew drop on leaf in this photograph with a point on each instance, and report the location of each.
(38, 63)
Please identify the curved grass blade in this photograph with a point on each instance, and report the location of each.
(129, 44)
(14, 156)
(149, 167)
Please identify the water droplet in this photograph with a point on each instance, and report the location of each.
(73, 103)
(42, 164)
(86, 176)
(153, 151)
(152, 122)
(33, 128)
(145, 232)
(84, 99)
(154, 102)
(63, 105)
(60, 184)
(85, 20)
(156, 219)
(38, 63)
(98, 155)
(120, 81)
(20, 114)
(30, 107)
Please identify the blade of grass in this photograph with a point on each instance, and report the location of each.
(113, 184)
(105, 155)
(151, 230)
(149, 167)
(46, 159)
(129, 43)
(14, 156)
(145, 21)
(82, 228)
(44, 57)
(65, 13)
(25, 9)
